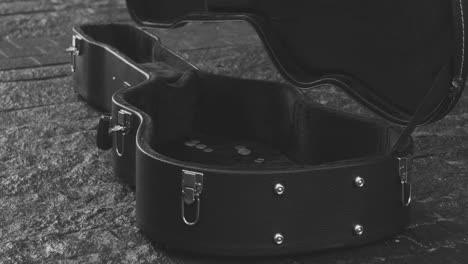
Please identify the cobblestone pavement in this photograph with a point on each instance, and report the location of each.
(59, 201)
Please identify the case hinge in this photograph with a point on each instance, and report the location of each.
(192, 188)
(405, 165)
(74, 50)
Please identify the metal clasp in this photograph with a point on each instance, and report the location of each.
(405, 165)
(122, 128)
(74, 50)
(192, 187)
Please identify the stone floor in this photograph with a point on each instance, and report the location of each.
(59, 201)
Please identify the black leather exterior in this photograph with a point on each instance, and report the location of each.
(239, 211)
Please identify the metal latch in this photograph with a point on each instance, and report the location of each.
(192, 187)
(122, 128)
(405, 165)
(74, 50)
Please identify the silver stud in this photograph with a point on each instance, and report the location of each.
(208, 150)
(278, 239)
(358, 230)
(359, 182)
(279, 188)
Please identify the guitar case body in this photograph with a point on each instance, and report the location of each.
(235, 167)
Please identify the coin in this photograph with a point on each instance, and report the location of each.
(200, 146)
(244, 151)
(259, 160)
(190, 144)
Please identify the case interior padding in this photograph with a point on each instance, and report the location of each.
(275, 121)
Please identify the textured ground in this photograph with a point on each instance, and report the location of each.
(59, 201)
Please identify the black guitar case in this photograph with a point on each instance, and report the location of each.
(238, 167)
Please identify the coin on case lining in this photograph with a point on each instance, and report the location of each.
(244, 152)
(190, 144)
(200, 146)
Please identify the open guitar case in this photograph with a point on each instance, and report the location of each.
(229, 166)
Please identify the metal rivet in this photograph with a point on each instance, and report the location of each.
(208, 150)
(358, 230)
(279, 188)
(359, 182)
(278, 239)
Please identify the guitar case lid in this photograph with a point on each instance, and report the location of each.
(400, 58)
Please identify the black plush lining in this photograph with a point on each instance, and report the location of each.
(273, 120)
